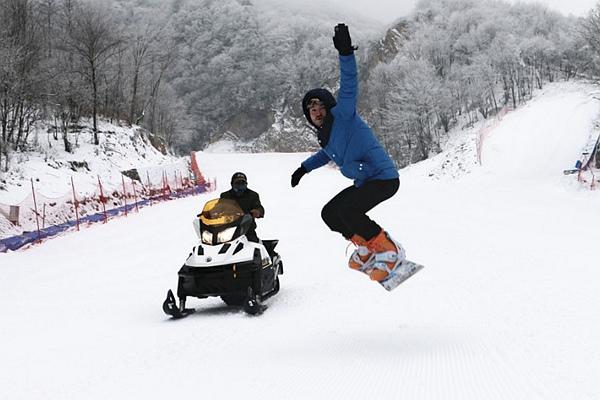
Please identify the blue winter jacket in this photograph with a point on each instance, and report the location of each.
(352, 144)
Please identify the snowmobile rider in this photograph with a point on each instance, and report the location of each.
(349, 142)
(248, 200)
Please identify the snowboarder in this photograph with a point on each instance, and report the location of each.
(248, 200)
(349, 142)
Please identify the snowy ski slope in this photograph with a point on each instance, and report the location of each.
(506, 307)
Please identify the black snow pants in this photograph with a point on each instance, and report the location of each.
(346, 212)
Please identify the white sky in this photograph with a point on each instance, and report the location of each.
(388, 10)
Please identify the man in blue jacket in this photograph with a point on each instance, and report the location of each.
(347, 140)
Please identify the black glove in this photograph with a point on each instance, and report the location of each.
(255, 213)
(342, 41)
(297, 175)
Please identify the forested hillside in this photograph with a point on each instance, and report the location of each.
(195, 71)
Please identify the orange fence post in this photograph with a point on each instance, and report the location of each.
(102, 199)
(165, 185)
(75, 203)
(196, 170)
(36, 212)
(149, 187)
(135, 196)
(124, 193)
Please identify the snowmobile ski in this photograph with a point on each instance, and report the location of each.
(171, 308)
(252, 304)
(400, 274)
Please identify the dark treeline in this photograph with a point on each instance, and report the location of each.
(192, 70)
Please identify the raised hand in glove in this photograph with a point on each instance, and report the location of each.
(297, 175)
(342, 41)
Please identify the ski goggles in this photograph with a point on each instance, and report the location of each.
(239, 186)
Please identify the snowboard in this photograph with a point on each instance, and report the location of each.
(400, 274)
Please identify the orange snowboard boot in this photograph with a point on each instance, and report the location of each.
(361, 256)
(387, 255)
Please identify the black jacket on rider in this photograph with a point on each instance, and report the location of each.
(248, 200)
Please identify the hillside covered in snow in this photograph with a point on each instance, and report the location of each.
(56, 174)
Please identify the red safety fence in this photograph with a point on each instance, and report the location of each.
(588, 177)
(38, 212)
(485, 131)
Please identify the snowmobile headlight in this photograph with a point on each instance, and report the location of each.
(207, 237)
(226, 235)
(197, 229)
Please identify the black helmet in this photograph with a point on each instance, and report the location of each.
(239, 177)
(239, 183)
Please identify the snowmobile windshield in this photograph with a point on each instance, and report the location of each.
(219, 212)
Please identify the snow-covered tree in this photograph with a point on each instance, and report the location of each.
(93, 39)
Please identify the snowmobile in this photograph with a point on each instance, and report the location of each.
(225, 263)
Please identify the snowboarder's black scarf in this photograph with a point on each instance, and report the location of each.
(324, 131)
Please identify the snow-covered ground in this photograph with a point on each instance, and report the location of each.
(53, 171)
(506, 307)
(121, 148)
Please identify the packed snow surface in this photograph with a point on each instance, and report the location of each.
(506, 308)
